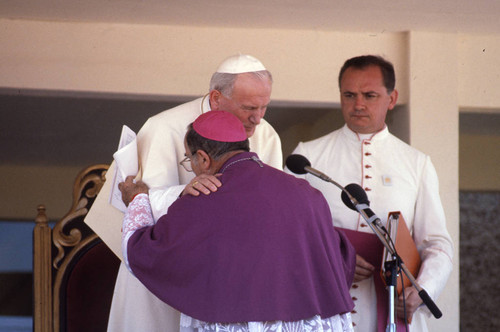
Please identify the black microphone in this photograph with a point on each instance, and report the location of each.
(355, 198)
(363, 204)
(357, 192)
(299, 164)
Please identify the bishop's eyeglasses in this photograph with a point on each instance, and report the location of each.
(186, 163)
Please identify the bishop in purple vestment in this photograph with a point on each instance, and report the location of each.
(262, 247)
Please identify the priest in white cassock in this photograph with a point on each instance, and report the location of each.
(396, 177)
(242, 86)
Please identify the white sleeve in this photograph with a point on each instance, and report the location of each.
(431, 235)
(161, 199)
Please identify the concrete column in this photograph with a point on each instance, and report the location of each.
(434, 114)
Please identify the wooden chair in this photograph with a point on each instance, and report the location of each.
(74, 272)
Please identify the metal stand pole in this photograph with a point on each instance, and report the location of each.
(391, 280)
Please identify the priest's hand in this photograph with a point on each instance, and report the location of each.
(202, 183)
(364, 270)
(130, 189)
(413, 301)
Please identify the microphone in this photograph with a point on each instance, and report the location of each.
(357, 192)
(352, 195)
(299, 164)
(355, 198)
(363, 205)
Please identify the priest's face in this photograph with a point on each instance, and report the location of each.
(365, 100)
(248, 101)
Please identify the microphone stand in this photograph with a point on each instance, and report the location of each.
(392, 265)
(384, 237)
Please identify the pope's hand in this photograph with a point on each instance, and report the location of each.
(202, 183)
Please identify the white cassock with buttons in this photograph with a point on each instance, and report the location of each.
(396, 177)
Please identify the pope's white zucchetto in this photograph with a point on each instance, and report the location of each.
(240, 63)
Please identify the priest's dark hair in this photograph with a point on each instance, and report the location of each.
(364, 61)
(214, 149)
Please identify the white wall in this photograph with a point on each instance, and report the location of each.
(437, 75)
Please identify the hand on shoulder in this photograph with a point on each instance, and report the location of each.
(202, 183)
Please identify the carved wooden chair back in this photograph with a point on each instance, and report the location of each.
(74, 272)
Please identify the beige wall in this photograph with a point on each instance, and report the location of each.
(173, 60)
(438, 74)
(479, 72)
(480, 75)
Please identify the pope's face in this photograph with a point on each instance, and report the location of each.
(248, 101)
(365, 100)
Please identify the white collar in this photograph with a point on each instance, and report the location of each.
(361, 137)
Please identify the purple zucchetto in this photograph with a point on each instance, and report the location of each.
(220, 126)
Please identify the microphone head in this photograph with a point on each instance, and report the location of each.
(297, 163)
(357, 192)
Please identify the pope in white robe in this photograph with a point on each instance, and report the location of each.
(161, 148)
